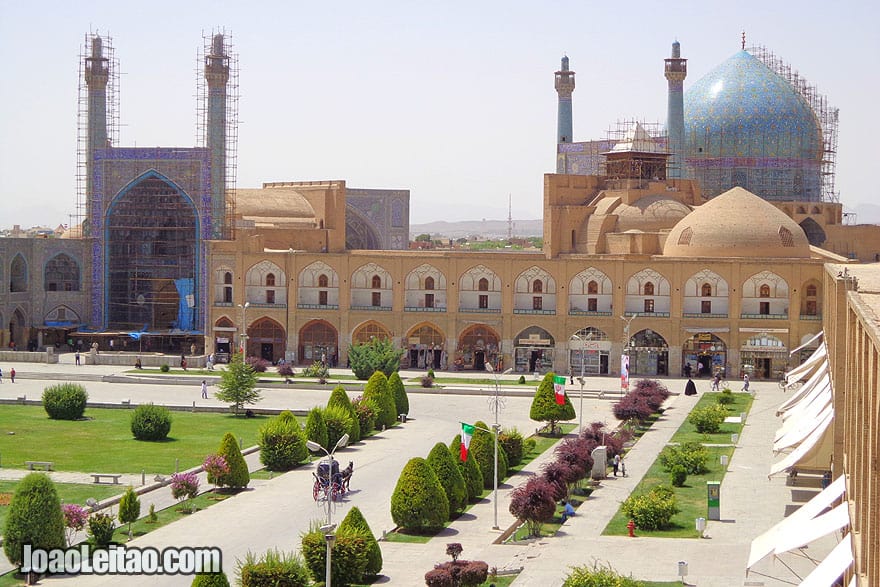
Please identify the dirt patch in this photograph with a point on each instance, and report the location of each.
(5, 498)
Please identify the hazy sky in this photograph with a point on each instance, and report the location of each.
(451, 100)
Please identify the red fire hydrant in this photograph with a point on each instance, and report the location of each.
(631, 526)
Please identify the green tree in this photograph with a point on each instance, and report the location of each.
(316, 428)
(598, 575)
(339, 397)
(349, 556)
(129, 508)
(338, 422)
(282, 443)
(470, 470)
(149, 422)
(377, 390)
(378, 354)
(398, 391)
(419, 502)
(355, 521)
(450, 477)
(544, 407)
(238, 475)
(210, 580)
(423, 238)
(65, 401)
(273, 568)
(34, 518)
(237, 385)
(483, 448)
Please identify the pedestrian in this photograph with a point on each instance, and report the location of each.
(204, 389)
(111, 345)
(615, 462)
(1, 375)
(183, 362)
(622, 467)
(716, 383)
(567, 511)
(690, 387)
(745, 382)
(687, 369)
(76, 356)
(12, 374)
(137, 363)
(210, 362)
(192, 349)
(570, 376)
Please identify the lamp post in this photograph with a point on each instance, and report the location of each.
(496, 401)
(580, 380)
(625, 351)
(328, 528)
(242, 337)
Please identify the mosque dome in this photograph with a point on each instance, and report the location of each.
(650, 214)
(737, 223)
(273, 202)
(747, 126)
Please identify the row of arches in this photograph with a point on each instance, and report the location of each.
(60, 273)
(590, 291)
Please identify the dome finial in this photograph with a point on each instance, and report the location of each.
(744, 40)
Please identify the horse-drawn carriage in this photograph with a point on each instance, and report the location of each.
(330, 482)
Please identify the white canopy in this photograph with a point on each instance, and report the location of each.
(818, 377)
(804, 369)
(803, 451)
(801, 432)
(805, 531)
(812, 339)
(834, 565)
(810, 408)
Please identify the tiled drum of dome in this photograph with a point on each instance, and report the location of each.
(747, 126)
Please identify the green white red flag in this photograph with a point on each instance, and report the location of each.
(559, 388)
(467, 432)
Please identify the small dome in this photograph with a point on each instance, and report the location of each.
(737, 224)
(650, 214)
(272, 202)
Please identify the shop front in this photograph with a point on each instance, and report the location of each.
(533, 351)
(477, 345)
(648, 354)
(763, 356)
(317, 339)
(704, 355)
(589, 352)
(425, 348)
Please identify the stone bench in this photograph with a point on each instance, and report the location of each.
(47, 465)
(112, 478)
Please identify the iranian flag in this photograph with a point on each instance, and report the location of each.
(467, 432)
(559, 388)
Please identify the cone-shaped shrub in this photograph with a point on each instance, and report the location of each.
(129, 508)
(356, 522)
(34, 518)
(544, 407)
(238, 475)
(470, 470)
(483, 447)
(210, 580)
(419, 502)
(347, 562)
(514, 445)
(339, 397)
(377, 390)
(316, 428)
(401, 402)
(282, 443)
(450, 477)
(338, 422)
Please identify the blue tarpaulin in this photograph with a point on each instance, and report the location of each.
(185, 312)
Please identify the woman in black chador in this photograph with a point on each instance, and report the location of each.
(690, 388)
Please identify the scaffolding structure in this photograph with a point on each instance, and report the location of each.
(827, 115)
(82, 116)
(621, 132)
(231, 119)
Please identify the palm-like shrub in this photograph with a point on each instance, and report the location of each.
(441, 460)
(598, 576)
(339, 397)
(470, 470)
(273, 568)
(398, 392)
(419, 502)
(238, 475)
(544, 407)
(533, 503)
(316, 428)
(149, 422)
(210, 580)
(34, 518)
(282, 443)
(65, 401)
(354, 521)
(514, 445)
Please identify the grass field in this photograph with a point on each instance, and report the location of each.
(103, 442)
(742, 402)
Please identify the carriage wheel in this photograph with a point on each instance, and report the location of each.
(315, 489)
(335, 491)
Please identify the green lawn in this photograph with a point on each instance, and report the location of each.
(67, 492)
(742, 402)
(103, 443)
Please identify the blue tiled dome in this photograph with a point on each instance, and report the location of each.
(746, 126)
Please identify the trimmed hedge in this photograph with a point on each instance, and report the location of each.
(652, 510)
(339, 397)
(419, 502)
(273, 568)
(450, 477)
(316, 428)
(354, 521)
(65, 401)
(470, 470)
(149, 422)
(282, 443)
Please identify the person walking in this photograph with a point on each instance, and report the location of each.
(12, 374)
(622, 467)
(615, 463)
(1, 375)
(76, 356)
(716, 383)
(204, 389)
(745, 382)
(210, 362)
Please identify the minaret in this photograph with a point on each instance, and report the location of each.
(676, 71)
(217, 76)
(564, 87)
(96, 74)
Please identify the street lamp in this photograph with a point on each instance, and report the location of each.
(495, 428)
(328, 528)
(242, 337)
(580, 379)
(624, 384)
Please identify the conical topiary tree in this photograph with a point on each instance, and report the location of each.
(401, 402)
(339, 397)
(316, 428)
(470, 470)
(238, 475)
(129, 508)
(338, 422)
(210, 580)
(282, 443)
(483, 448)
(34, 518)
(377, 390)
(440, 459)
(355, 521)
(544, 407)
(419, 502)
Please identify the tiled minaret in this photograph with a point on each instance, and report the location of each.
(97, 74)
(565, 88)
(676, 71)
(217, 76)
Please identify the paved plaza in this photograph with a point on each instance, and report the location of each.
(273, 513)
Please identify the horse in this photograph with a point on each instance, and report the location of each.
(345, 475)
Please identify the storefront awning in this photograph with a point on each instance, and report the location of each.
(806, 531)
(811, 451)
(816, 337)
(819, 377)
(765, 544)
(834, 565)
(808, 409)
(804, 370)
(800, 433)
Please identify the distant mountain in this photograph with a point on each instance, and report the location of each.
(480, 228)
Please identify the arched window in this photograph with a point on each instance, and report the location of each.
(649, 289)
(592, 287)
(429, 282)
(323, 280)
(537, 286)
(227, 278)
(18, 275)
(706, 290)
(764, 292)
(377, 282)
(270, 280)
(811, 291)
(483, 284)
(61, 274)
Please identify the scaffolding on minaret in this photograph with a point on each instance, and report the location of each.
(104, 45)
(509, 217)
(231, 118)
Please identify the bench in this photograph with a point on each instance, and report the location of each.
(47, 465)
(113, 478)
